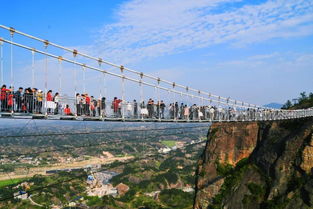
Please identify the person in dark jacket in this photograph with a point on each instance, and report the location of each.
(135, 108)
(162, 107)
(176, 109)
(103, 107)
(18, 96)
(181, 111)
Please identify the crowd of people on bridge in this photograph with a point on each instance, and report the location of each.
(35, 101)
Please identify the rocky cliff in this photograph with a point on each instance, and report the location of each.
(257, 165)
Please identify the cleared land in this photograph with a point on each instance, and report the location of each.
(169, 143)
(71, 165)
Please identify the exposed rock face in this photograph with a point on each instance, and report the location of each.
(227, 143)
(307, 157)
(274, 169)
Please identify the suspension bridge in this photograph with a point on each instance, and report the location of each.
(157, 100)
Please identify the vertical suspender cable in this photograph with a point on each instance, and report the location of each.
(78, 109)
(199, 106)
(219, 109)
(202, 109)
(59, 104)
(193, 108)
(228, 110)
(99, 102)
(87, 107)
(181, 107)
(75, 83)
(1, 61)
(33, 68)
(154, 104)
(141, 95)
(159, 100)
(104, 85)
(84, 79)
(46, 68)
(11, 54)
(174, 102)
(169, 103)
(187, 104)
(100, 80)
(209, 107)
(123, 91)
(104, 94)
(60, 59)
(33, 80)
(46, 43)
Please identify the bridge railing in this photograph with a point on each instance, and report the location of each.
(30, 104)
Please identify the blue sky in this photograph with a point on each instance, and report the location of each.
(256, 51)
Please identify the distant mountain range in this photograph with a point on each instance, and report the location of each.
(273, 105)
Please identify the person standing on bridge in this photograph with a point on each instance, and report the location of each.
(31, 96)
(3, 98)
(56, 100)
(143, 110)
(78, 101)
(116, 107)
(91, 106)
(39, 99)
(162, 107)
(49, 98)
(88, 101)
(103, 107)
(176, 110)
(10, 99)
(186, 112)
(83, 106)
(181, 111)
(158, 104)
(98, 107)
(135, 109)
(18, 99)
(149, 107)
(25, 105)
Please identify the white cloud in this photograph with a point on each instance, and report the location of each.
(146, 28)
(284, 63)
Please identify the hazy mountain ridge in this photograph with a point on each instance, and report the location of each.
(274, 105)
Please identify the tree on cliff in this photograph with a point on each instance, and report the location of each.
(303, 101)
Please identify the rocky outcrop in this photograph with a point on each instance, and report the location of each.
(307, 157)
(257, 165)
(227, 143)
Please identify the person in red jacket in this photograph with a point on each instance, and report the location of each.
(3, 97)
(87, 105)
(67, 110)
(116, 105)
(49, 98)
(10, 99)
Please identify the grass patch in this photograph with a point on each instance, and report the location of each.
(169, 143)
(7, 182)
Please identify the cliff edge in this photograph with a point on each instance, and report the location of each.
(257, 165)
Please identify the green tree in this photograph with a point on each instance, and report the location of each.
(287, 105)
(175, 198)
(302, 97)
